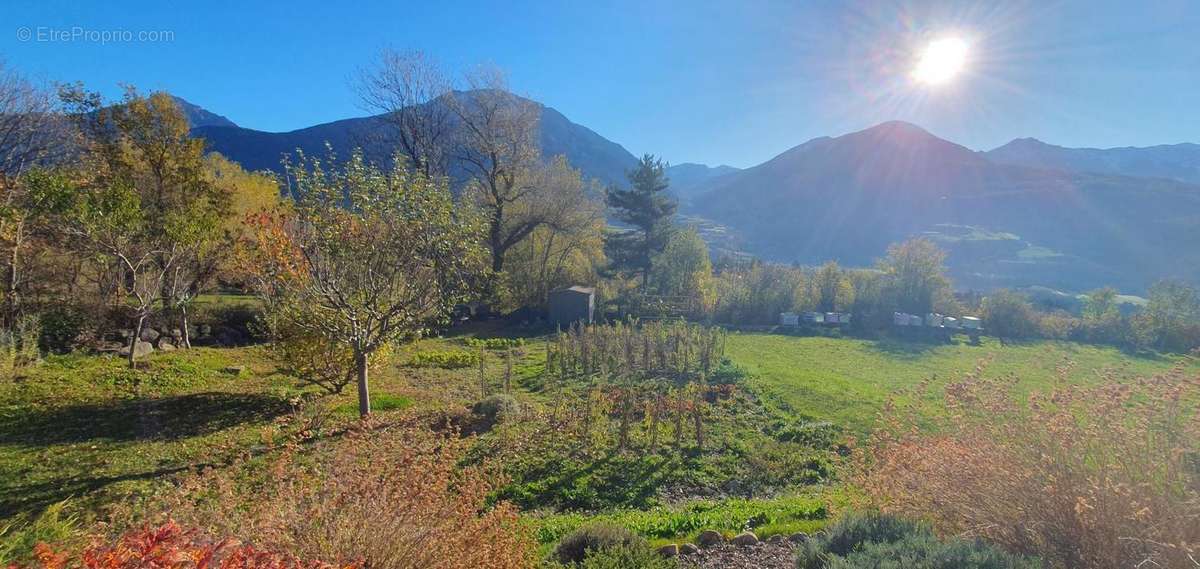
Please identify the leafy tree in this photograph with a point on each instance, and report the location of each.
(1008, 314)
(916, 270)
(832, 288)
(1170, 308)
(30, 133)
(365, 257)
(144, 143)
(684, 269)
(107, 220)
(646, 207)
(568, 249)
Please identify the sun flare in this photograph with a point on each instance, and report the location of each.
(941, 61)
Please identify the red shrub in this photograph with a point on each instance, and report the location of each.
(171, 547)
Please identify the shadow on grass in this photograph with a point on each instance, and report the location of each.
(163, 419)
(905, 349)
(33, 498)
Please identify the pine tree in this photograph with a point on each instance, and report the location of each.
(646, 207)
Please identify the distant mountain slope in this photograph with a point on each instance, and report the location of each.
(687, 177)
(1175, 161)
(848, 197)
(199, 116)
(595, 155)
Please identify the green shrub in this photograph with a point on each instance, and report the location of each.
(631, 556)
(448, 359)
(727, 372)
(62, 325)
(579, 544)
(496, 409)
(496, 343)
(887, 542)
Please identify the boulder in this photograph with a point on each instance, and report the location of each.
(234, 370)
(140, 349)
(669, 550)
(150, 334)
(744, 539)
(688, 549)
(166, 346)
(709, 538)
(798, 537)
(777, 539)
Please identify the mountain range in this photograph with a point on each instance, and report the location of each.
(1022, 214)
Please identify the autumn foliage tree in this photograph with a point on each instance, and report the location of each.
(365, 257)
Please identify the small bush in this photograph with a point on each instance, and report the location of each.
(579, 544)
(497, 409)
(728, 372)
(445, 359)
(632, 556)
(883, 541)
(62, 326)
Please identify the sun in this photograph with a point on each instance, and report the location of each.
(941, 61)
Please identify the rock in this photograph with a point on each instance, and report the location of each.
(798, 537)
(744, 539)
(150, 334)
(177, 333)
(124, 333)
(140, 349)
(777, 539)
(166, 346)
(234, 370)
(688, 549)
(708, 538)
(670, 550)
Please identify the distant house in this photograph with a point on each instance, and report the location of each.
(572, 304)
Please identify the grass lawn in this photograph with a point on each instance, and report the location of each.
(846, 381)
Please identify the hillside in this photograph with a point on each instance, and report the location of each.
(848, 197)
(595, 155)
(1174, 161)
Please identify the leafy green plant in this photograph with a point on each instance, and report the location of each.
(445, 359)
(581, 543)
(884, 541)
(630, 556)
(496, 343)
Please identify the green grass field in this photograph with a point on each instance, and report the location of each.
(846, 381)
(87, 429)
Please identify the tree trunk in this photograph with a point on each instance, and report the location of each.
(187, 337)
(13, 304)
(364, 395)
(137, 337)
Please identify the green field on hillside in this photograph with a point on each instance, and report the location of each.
(87, 429)
(846, 381)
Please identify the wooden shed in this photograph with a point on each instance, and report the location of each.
(572, 304)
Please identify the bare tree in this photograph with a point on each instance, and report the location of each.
(408, 90)
(497, 146)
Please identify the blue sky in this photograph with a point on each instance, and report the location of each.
(715, 82)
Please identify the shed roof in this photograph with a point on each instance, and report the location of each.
(577, 288)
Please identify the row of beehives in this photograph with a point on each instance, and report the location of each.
(795, 318)
(937, 321)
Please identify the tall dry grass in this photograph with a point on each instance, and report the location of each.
(388, 496)
(1098, 476)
